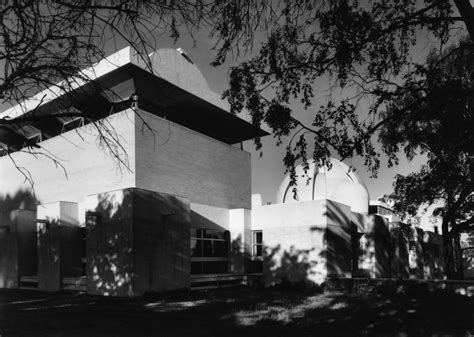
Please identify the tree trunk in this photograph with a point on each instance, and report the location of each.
(448, 250)
(458, 256)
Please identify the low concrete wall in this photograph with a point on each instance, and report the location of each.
(304, 241)
(399, 253)
(387, 285)
(375, 260)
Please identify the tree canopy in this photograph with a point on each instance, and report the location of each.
(363, 46)
(434, 116)
(365, 49)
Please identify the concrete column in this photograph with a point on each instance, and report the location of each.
(415, 255)
(240, 239)
(8, 253)
(376, 241)
(59, 244)
(49, 255)
(18, 252)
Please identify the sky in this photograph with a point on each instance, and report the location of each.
(268, 169)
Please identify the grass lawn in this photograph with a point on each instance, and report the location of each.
(235, 312)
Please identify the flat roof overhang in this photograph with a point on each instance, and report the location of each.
(113, 92)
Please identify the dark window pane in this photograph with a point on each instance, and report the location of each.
(215, 267)
(258, 237)
(196, 267)
(212, 234)
(255, 267)
(220, 249)
(214, 248)
(196, 248)
(258, 250)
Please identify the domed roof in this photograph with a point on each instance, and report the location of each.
(337, 184)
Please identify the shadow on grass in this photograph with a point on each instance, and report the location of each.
(236, 312)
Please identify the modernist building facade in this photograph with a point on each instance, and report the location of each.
(178, 210)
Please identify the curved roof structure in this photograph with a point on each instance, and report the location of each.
(337, 184)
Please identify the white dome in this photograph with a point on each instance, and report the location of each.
(336, 184)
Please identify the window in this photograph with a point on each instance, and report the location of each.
(209, 251)
(257, 244)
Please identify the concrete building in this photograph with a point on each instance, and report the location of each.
(166, 202)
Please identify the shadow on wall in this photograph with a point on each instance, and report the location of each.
(292, 266)
(18, 252)
(338, 238)
(137, 241)
(109, 246)
(375, 246)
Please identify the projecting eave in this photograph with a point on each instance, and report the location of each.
(175, 90)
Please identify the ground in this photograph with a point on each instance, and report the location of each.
(236, 312)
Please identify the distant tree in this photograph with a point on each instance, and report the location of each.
(434, 116)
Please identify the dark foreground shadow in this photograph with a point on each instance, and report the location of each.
(236, 312)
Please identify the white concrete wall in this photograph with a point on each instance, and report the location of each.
(294, 241)
(176, 160)
(65, 212)
(89, 169)
(304, 213)
(209, 217)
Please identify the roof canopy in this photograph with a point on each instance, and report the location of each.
(175, 89)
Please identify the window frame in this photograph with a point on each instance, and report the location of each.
(201, 237)
(256, 244)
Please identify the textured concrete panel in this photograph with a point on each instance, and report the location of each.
(27, 242)
(294, 254)
(415, 254)
(399, 253)
(137, 241)
(182, 162)
(209, 217)
(339, 239)
(305, 241)
(433, 258)
(18, 252)
(49, 256)
(109, 243)
(241, 239)
(89, 168)
(65, 215)
(8, 253)
(376, 247)
(161, 236)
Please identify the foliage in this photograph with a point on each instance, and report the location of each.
(434, 116)
(50, 46)
(363, 47)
